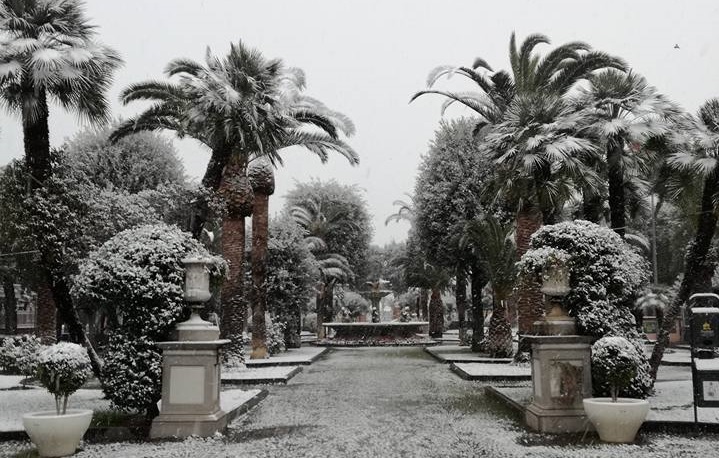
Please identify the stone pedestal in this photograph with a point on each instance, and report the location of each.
(561, 378)
(190, 390)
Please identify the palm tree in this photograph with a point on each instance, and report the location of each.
(625, 113)
(504, 102)
(697, 144)
(241, 107)
(540, 151)
(494, 248)
(47, 52)
(319, 222)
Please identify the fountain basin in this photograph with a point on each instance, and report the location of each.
(377, 334)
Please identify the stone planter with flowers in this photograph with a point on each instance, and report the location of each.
(62, 369)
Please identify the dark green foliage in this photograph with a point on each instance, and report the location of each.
(344, 206)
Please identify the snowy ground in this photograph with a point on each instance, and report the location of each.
(14, 403)
(387, 402)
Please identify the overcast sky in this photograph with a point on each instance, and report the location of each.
(366, 58)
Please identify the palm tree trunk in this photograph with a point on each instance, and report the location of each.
(211, 180)
(615, 177)
(260, 231)
(499, 343)
(319, 310)
(460, 295)
(592, 207)
(436, 314)
(36, 140)
(529, 297)
(424, 303)
(233, 306)
(10, 306)
(479, 280)
(697, 267)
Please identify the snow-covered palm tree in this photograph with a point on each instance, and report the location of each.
(625, 114)
(48, 53)
(696, 145)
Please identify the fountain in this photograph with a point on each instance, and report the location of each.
(375, 295)
(377, 333)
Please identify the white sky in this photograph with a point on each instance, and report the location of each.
(366, 58)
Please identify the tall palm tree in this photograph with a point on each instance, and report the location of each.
(242, 106)
(697, 145)
(625, 113)
(534, 79)
(540, 151)
(48, 53)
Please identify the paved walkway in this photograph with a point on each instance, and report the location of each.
(386, 402)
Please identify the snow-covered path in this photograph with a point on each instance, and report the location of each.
(387, 402)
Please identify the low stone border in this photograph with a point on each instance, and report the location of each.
(451, 357)
(461, 370)
(375, 343)
(246, 378)
(286, 360)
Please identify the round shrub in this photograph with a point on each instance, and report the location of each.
(615, 364)
(63, 368)
(18, 354)
(606, 275)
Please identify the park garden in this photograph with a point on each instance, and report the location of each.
(568, 166)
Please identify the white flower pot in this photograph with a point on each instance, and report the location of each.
(616, 421)
(57, 435)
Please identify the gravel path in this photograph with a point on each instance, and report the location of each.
(386, 402)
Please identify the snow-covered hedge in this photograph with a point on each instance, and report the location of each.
(132, 374)
(615, 363)
(18, 354)
(606, 275)
(63, 368)
(275, 339)
(139, 274)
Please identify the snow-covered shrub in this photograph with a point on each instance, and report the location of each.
(275, 339)
(139, 274)
(405, 315)
(291, 275)
(132, 373)
(606, 276)
(18, 354)
(63, 368)
(615, 363)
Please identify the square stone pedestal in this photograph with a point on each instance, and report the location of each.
(561, 378)
(190, 390)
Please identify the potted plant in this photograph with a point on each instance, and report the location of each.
(614, 365)
(61, 368)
